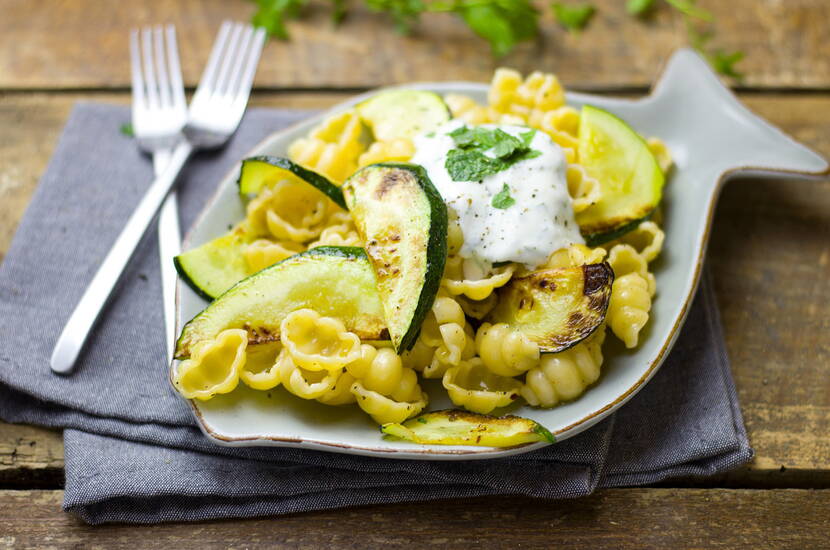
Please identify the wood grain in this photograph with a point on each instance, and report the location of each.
(48, 44)
(633, 518)
(770, 253)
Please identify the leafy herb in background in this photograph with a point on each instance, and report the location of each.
(502, 200)
(127, 129)
(470, 163)
(573, 17)
(639, 8)
(502, 23)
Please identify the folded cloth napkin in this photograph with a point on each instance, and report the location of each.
(133, 451)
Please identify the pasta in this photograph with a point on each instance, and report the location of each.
(264, 253)
(395, 150)
(288, 210)
(661, 153)
(564, 376)
(318, 343)
(343, 234)
(260, 369)
(446, 332)
(628, 309)
(504, 351)
(529, 100)
(332, 149)
(584, 190)
(625, 259)
(304, 383)
(466, 277)
(213, 366)
(574, 255)
(465, 108)
(383, 387)
(474, 387)
(647, 239)
(341, 392)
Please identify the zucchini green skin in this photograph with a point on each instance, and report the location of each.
(407, 281)
(256, 171)
(214, 267)
(260, 302)
(556, 308)
(630, 178)
(403, 113)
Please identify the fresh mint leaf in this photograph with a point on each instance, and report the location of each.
(573, 17)
(528, 136)
(471, 165)
(405, 13)
(502, 200)
(339, 12)
(505, 145)
(639, 8)
(127, 129)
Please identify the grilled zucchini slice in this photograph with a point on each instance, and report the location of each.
(217, 265)
(395, 114)
(629, 176)
(332, 280)
(257, 172)
(556, 308)
(457, 427)
(403, 221)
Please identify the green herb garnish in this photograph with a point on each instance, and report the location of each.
(481, 152)
(502, 199)
(127, 129)
(639, 7)
(573, 17)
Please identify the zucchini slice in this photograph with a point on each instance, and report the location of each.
(217, 265)
(403, 221)
(456, 427)
(334, 281)
(556, 308)
(629, 176)
(403, 113)
(259, 171)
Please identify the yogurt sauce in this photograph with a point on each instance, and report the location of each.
(540, 221)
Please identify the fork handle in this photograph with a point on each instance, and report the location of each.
(77, 328)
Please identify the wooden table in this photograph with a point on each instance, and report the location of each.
(770, 253)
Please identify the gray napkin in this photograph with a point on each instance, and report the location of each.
(133, 452)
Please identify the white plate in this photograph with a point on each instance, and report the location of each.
(711, 136)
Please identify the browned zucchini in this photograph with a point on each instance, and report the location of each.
(556, 308)
(456, 427)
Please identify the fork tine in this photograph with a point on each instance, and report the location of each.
(206, 82)
(232, 84)
(166, 98)
(175, 69)
(149, 70)
(230, 54)
(247, 79)
(135, 66)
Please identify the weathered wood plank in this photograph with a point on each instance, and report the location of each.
(769, 254)
(83, 43)
(622, 518)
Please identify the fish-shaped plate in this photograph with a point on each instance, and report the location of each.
(711, 135)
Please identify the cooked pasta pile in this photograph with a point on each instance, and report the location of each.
(482, 366)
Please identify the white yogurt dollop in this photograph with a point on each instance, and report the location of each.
(540, 221)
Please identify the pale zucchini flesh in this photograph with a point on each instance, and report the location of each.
(403, 221)
(392, 114)
(334, 281)
(217, 265)
(457, 427)
(630, 178)
(556, 308)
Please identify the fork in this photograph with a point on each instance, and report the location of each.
(214, 114)
(159, 113)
